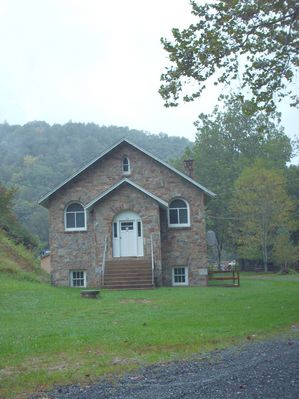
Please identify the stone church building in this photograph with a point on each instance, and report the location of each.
(127, 220)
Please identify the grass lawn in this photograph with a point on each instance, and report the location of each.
(53, 336)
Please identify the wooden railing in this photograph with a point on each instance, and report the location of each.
(224, 276)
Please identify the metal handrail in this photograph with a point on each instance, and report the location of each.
(153, 260)
(104, 260)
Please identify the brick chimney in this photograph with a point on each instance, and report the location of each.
(188, 164)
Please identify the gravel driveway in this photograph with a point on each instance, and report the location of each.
(268, 370)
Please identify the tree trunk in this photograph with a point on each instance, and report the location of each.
(265, 246)
(219, 250)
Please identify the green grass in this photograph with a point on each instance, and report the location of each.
(18, 261)
(53, 336)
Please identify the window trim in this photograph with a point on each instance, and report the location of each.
(186, 283)
(179, 225)
(72, 278)
(84, 228)
(126, 172)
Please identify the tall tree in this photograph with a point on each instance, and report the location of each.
(8, 220)
(285, 253)
(6, 206)
(226, 142)
(262, 208)
(254, 41)
(292, 177)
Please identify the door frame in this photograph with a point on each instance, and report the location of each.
(127, 216)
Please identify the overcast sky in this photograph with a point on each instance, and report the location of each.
(95, 61)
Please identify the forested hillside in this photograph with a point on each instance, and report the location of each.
(36, 157)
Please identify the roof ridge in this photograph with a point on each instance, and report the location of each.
(46, 196)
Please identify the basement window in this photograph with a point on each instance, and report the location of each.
(180, 275)
(77, 278)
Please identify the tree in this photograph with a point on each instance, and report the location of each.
(9, 222)
(227, 141)
(262, 208)
(6, 206)
(254, 41)
(285, 253)
(292, 178)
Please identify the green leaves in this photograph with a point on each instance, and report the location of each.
(266, 32)
(228, 141)
(262, 205)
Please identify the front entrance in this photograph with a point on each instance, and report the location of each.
(128, 238)
(127, 235)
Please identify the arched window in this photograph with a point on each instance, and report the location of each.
(179, 213)
(75, 218)
(126, 165)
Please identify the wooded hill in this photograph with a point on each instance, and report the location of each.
(37, 156)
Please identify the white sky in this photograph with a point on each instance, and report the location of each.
(95, 61)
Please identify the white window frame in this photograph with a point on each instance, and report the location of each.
(178, 225)
(84, 228)
(186, 282)
(126, 172)
(78, 278)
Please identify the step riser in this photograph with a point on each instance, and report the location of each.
(128, 288)
(129, 270)
(128, 280)
(128, 262)
(127, 283)
(128, 274)
(134, 266)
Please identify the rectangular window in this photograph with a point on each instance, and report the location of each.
(127, 225)
(183, 216)
(139, 228)
(180, 276)
(173, 216)
(77, 278)
(114, 230)
(80, 219)
(70, 220)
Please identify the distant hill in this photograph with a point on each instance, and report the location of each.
(37, 156)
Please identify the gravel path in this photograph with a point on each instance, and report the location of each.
(267, 370)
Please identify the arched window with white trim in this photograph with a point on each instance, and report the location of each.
(75, 217)
(179, 215)
(126, 167)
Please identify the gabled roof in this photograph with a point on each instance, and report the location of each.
(161, 202)
(45, 197)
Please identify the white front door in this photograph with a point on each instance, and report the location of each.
(128, 238)
(127, 235)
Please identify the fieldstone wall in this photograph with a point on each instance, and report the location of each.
(173, 246)
(127, 198)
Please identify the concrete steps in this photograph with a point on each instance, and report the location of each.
(128, 273)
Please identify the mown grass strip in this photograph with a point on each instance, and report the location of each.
(52, 336)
